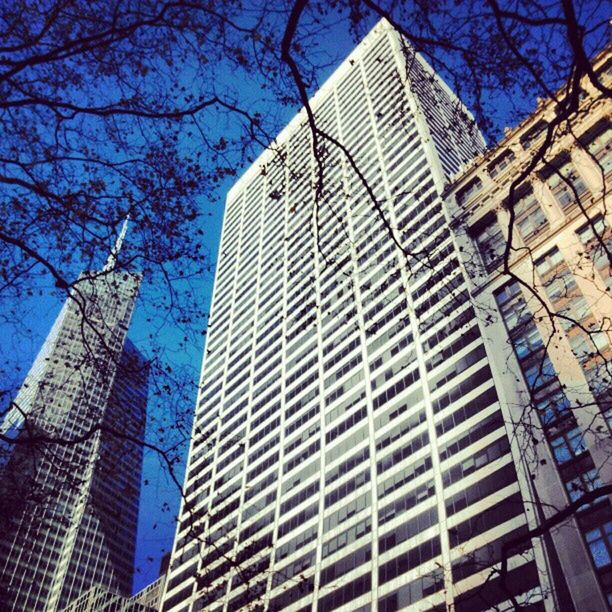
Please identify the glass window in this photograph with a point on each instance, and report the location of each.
(568, 445)
(530, 218)
(566, 184)
(503, 161)
(584, 483)
(528, 343)
(512, 306)
(598, 145)
(538, 372)
(594, 247)
(529, 137)
(467, 192)
(490, 241)
(551, 406)
(600, 545)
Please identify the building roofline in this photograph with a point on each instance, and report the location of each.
(511, 134)
(300, 118)
(317, 98)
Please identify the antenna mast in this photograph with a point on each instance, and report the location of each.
(111, 262)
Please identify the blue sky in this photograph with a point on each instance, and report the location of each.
(156, 525)
(160, 499)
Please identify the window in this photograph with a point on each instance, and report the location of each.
(513, 307)
(347, 424)
(564, 293)
(480, 490)
(481, 402)
(408, 560)
(492, 594)
(538, 372)
(290, 596)
(490, 241)
(529, 137)
(503, 161)
(505, 510)
(476, 461)
(346, 489)
(551, 404)
(467, 192)
(281, 575)
(299, 497)
(565, 183)
(597, 143)
(568, 445)
(593, 246)
(346, 466)
(298, 520)
(545, 264)
(530, 218)
(528, 343)
(412, 592)
(350, 535)
(299, 541)
(408, 530)
(600, 545)
(584, 483)
(343, 514)
(403, 452)
(561, 287)
(405, 503)
(457, 444)
(345, 565)
(301, 457)
(345, 593)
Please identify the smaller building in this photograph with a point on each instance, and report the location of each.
(546, 304)
(100, 599)
(150, 596)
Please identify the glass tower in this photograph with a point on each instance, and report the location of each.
(69, 489)
(349, 447)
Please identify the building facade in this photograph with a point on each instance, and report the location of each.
(350, 448)
(101, 599)
(69, 490)
(548, 321)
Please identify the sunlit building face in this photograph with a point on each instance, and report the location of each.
(350, 448)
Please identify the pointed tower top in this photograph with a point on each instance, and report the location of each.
(112, 258)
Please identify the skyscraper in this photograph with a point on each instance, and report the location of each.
(349, 447)
(548, 325)
(69, 491)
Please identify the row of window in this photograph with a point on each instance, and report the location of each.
(414, 557)
(484, 487)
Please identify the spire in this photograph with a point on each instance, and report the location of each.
(112, 258)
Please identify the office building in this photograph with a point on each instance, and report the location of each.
(350, 450)
(548, 325)
(69, 491)
(101, 599)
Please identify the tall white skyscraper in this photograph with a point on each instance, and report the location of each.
(349, 448)
(69, 491)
